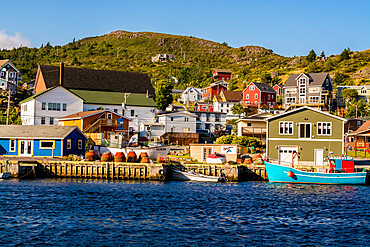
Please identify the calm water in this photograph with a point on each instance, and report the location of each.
(91, 212)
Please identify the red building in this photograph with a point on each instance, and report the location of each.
(203, 106)
(222, 74)
(214, 89)
(278, 89)
(256, 94)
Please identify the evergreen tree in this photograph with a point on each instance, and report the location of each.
(311, 56)
(322, 54)
(164, 94)
(345, 54)
(238, 109)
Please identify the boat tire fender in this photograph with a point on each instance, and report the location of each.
(162, 177)
(161, 172)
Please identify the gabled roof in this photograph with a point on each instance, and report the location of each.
(37, 131)
(232, 96)
(263, 87)
(91, 79)
(45, 91)
(315, 79)
(3, 62)
(256, 117)
(198, 90)
(305, 108)
(363, 128)
(225, 71)
(217, 98)
(114, 98)
(177, 113)
(85, 114)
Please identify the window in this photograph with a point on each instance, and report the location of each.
(24, 107)
(115, 110)
(227, 105)
(363, 91)
(109, 115)
(53, 106)
(314, 99)
(302, 91)
(314, 90)
(46, 144)
(327, 82)
(42, 120)
(222, 105)
(172, 119)
(69, 143)
(256, 96)
(206, 151)
(186, 130)
(43, 106)
(132, 113)
(286, 128)
(50, 106)
(247, 96)
(290, 90)
(12, 145)
(323, 128)
(268, 97)
(305, 130)
(186, 119)
(302, 82)
(207, 118)
(11, 74)
(79, 144)
(255, 102)
(51, 122)
(249, 124)
(359, 123)
(251, 88)
(64, 107)
(217, 116)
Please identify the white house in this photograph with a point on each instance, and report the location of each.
(191, 94)
(151, 130)
(46, 107)
(9, 76)
(225, 101)
(211, 121)
(182, 121)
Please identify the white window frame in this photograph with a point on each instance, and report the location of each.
(69, 143)
(12, 145)
(247, 96)
(252, 88)
(42, 141)
(79, 144)
(286, 127)
(51, 121)
(327, 126)
(43, 121)
(109, 115)
(256, 96)
(43, 106)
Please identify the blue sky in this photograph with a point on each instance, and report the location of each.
(288, 27)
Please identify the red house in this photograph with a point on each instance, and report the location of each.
(256, 94)
(278, 89)
(222, 74)
(203, 106)
(214, 89)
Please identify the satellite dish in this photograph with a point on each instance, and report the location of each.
(174, 78)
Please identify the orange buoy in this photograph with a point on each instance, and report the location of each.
(256, 157)
(131, 156)
(119, 157)
(90, 155)
(247, 161)
(290, 174)
(106, 156)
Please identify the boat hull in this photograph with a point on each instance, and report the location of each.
(153, 152)
(279, 174)
(190, 176)
(4, 175)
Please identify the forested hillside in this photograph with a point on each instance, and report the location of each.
(195, 59)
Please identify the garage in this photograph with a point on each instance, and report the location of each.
(286, 154)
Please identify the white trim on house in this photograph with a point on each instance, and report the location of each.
(303, 139)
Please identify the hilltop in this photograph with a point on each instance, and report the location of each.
(194, 59)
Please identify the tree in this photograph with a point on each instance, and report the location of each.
(339, 78)
(349, 94)
(164, 94)
(237, 109)
(345, 54)
(311, 56)
(266, 78)
(322, 54)
(240, 140)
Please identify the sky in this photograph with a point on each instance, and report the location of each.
(288, 27)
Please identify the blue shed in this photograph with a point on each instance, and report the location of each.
(41, 140)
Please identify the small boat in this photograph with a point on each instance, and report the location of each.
(193, 176)
(4, 175)
(215, 158)
(287, 174)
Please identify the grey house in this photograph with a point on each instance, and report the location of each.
(309, 89)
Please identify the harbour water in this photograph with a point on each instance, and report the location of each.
(71, 212)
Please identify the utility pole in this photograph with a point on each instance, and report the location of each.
(8, 108)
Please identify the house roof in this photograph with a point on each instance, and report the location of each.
(152, 124)
(217, 97)
(263, 87)
(256, 117)
(227, 71)
(232, 95)
(364, 127)
(45, 91)
(85, 114)
(3, 61)
(207, 112)
(198, 90)
(91, 79)
(114, 98)
(177, 113)
(304, 108)
(315, 79)
(36, 131)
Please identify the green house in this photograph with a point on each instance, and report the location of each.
(304, 135)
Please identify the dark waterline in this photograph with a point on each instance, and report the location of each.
(69, 212)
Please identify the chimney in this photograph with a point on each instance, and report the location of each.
(147, 93)
(61, 74)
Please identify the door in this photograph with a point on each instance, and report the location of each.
(286, 154)
(319, 157)
(25, 147)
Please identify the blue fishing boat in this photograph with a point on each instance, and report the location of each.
(286, 174)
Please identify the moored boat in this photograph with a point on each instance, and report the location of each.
(4, 175)
(193, 176)
(286, 174)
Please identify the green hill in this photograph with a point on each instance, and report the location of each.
(195, 59)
